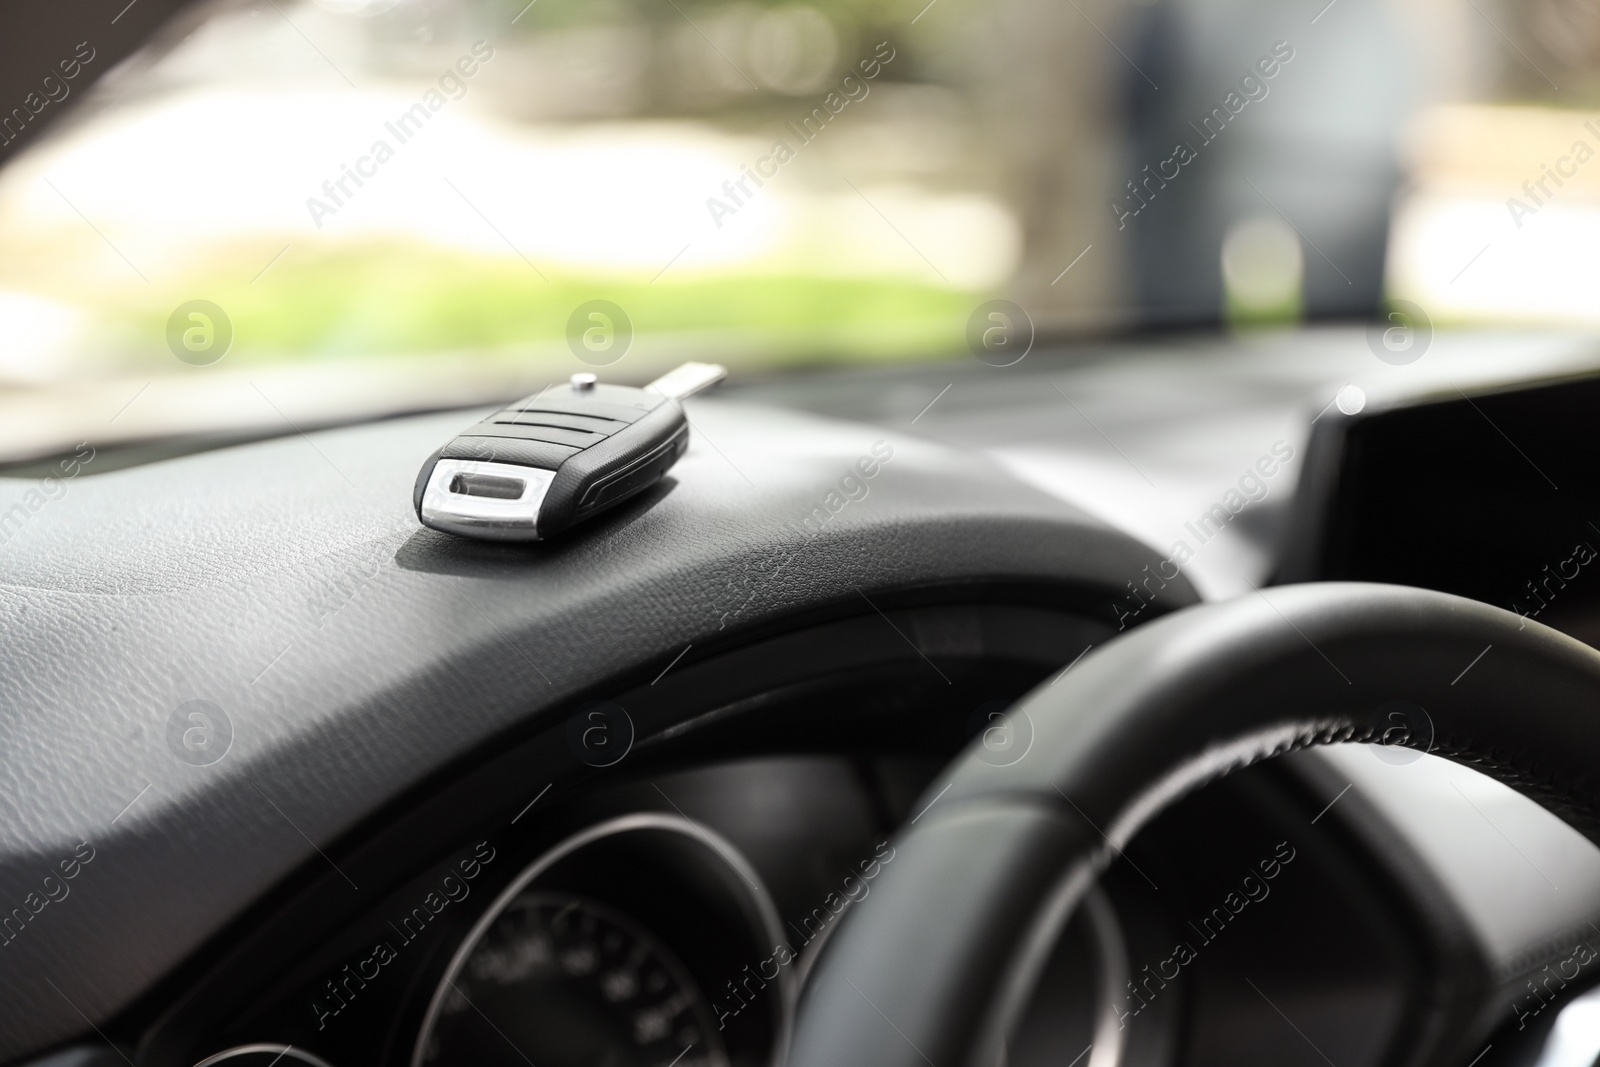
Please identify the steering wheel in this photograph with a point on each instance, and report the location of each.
(936, 964)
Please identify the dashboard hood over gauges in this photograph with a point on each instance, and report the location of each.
(215, 668)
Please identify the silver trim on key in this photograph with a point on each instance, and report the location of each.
(449, 504)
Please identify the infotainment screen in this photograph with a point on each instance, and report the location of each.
(1493, 496)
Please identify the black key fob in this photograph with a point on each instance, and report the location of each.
(550, 461)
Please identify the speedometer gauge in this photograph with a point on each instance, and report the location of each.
(560, 980)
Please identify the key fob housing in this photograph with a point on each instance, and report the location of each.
(550, 461)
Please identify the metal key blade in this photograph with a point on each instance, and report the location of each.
(688, 379)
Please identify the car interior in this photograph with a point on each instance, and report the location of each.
(799, 533)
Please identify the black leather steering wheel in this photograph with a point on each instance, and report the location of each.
(935, 965)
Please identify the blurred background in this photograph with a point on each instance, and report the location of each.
(936, 155)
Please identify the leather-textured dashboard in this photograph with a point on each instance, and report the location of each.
(344, 655)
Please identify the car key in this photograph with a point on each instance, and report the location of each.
(559, 457)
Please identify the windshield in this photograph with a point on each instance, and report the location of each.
(306, 212)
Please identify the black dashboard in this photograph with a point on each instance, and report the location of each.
(699, 872)
(601, 801)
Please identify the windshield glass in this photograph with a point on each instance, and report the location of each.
(316, 210)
